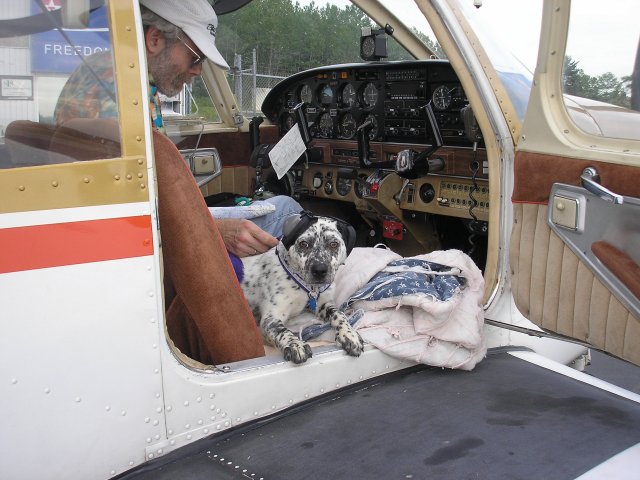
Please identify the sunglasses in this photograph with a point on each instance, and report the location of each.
(197, 58)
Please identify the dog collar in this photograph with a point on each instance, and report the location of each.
(312, 291)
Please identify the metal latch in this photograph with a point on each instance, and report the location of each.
(591, 181)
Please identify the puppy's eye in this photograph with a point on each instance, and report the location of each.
(334, 245)
(304, 244)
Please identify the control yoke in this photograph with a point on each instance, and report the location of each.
(363, 143)
(411, 164)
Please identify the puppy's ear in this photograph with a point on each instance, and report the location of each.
(348, 235)
(288, 227)
(294, 226)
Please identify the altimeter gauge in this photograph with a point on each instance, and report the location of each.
(348, 126)
(441, 97)
(325, 125)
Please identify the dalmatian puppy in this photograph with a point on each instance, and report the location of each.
(297, 274)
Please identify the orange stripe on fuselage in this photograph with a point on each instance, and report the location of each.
(56, 245)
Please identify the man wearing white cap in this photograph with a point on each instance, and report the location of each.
(179, 36)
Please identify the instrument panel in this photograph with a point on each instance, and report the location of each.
(390, 96)
(381, 106)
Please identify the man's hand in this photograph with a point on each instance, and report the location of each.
(243, 237)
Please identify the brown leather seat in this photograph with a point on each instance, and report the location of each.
(208, 318)
(83, 139)
(32, 143)
(28, 143)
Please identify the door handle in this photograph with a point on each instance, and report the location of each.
(591, 181)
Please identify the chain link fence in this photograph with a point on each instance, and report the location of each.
(250, 87)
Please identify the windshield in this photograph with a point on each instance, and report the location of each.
(269, 40)
(515, 75)
(262, 52)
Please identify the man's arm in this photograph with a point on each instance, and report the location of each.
(243, 237)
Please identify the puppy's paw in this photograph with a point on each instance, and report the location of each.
(350, 340)
(297, 351)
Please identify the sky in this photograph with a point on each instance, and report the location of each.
(608, 39)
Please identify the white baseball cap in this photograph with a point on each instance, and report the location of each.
(196, 18)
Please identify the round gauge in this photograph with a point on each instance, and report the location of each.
(287, 122)
(441, 97)
(328, 187)
(358, 187)
(325, 94)
(348, 126)
(369, 95)
(306, 94)
(367, 47)
(343, 186)
(325, 125)
(373, 133)
(349, 96)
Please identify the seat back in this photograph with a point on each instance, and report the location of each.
(82, 139)
(207, 316)
(32, 143)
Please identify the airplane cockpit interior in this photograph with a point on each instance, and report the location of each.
(394, 147)
(391, 143)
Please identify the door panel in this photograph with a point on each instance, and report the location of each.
(575, 257)
(558, 292)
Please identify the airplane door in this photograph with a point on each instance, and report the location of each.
(575, 244)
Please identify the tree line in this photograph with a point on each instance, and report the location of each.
(605, 88)
(323, 35)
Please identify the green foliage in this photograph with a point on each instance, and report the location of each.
(289, 38)
(606, 87)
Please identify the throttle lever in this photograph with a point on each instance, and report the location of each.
(398, 196)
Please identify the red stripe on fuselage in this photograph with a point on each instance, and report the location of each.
(73, 243)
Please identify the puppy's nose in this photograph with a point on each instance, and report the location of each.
(319, 270)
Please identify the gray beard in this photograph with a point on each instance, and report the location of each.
(164, 74)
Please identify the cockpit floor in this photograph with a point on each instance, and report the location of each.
(505, 419)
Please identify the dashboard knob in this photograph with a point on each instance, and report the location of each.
(328, 187)
(427, 193)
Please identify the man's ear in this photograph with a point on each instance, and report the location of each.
(154, 40)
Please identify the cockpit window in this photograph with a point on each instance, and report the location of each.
(56, 86)
(601, 54)
(513, 66)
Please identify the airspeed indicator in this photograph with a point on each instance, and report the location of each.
(306, 94)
